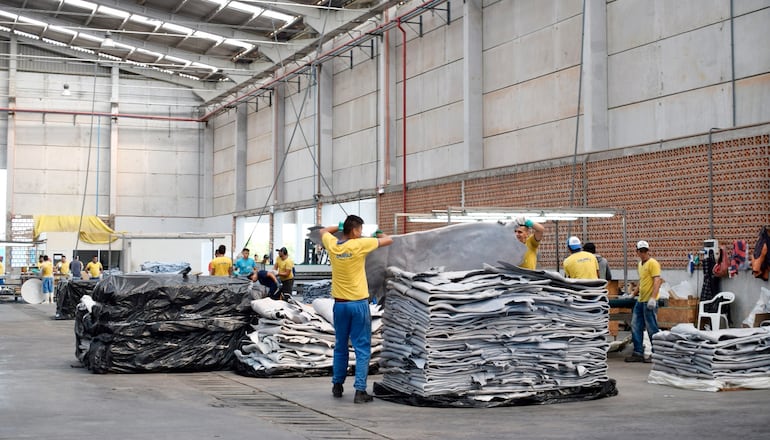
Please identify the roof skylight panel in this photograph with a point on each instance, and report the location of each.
(82, 4)
(177, 29)
(113, 12)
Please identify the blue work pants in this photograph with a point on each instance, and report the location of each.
(643, 318)
(353, 322)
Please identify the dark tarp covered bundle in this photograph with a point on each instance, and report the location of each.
(68, 294)
(161, 322)
(493, 337)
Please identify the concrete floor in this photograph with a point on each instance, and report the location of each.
(44, 394)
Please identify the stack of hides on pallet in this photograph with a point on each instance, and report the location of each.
(293, 339)
(161, 323)
(686, 357)
(493, 337)
(316, 289)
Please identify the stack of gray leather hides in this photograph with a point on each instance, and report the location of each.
(316, 289)
(161, 323)
(493, 337)
(688, 358)
(294, 339)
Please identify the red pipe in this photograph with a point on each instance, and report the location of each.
(386, 50)
(403, 114)
(109, 115)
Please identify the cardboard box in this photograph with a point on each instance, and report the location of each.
(759, 317)
(671, 316)
(689, 302)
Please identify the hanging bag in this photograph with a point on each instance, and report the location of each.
(722, 268)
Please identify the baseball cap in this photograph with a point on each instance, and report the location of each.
(641, 244)
(574, 243)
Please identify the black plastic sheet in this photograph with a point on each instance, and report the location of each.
(162, 323)
(68, 294)
(570, 394)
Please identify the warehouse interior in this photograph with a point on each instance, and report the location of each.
(158, 130)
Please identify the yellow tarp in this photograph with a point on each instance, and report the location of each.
(92, 229)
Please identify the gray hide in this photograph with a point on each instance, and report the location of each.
(463, 246)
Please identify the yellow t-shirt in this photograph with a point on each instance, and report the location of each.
(647, 273)
(283, 266)
(46, 269)
(582, 265)
(94, 269)
(348, 260)
(529, 261)
(64, 268)
(221, 266)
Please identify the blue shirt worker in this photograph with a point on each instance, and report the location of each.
(245, 266)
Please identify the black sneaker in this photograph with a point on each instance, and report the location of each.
(337, 390)
(635, 358)
(362, 397)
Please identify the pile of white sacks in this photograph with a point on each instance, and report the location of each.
(493, 337)
(688, 358)
(294, 339)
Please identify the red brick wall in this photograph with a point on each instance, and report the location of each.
(665, 195)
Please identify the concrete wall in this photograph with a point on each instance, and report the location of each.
(223, 179)
(531, 78)
(134, 166)
(668, 74)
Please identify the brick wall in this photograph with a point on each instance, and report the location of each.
(664, 192)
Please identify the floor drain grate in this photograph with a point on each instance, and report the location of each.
(311, 423)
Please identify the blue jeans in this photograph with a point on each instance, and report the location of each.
(353, 322)
(48, 285)
(643, 318)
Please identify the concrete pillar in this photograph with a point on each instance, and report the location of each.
(113, 124)
(324, 115)
(595, 113)
(473, 136)
(387, 113)
(206, 171)
(10, 159)
(241, 136)
(279, 141)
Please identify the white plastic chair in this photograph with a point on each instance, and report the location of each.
(715, 319)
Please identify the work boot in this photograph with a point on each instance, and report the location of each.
(337, 390)
(635, 357)
(362, 397)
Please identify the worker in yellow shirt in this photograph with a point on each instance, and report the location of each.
(221, 266)
(580, 264)
(94, 268)
(64, 267)
(46, 272)
(285, 268)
